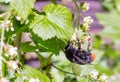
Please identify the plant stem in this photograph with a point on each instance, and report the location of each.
(39, 56)
(62, 70)
(78, 9)
(2, 41)
(18, 40)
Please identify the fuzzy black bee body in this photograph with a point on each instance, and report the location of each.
(77, 55)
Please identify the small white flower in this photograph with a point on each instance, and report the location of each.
(12, 64)
(94, 74)
(103, 78)
(88, 20)
(11, 28)
(2, 25)
(87, 38)
(18, 18)
(86, 25)
(34, 80)
(8, 23)
(74, 37)
(4, 80)
(85, 6)
(12, 51)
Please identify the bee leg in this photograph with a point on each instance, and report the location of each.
(89, 48)
(79, 44)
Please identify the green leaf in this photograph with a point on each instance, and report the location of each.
(34, 73)
(57, 21)
(76, 69)
(26, 47)
(53, 45)
(22, 7)
(111, 23)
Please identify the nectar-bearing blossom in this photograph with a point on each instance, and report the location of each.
(103, 78)
(93, 74)
(18, 18)
(74, 37)
(85, 6)
(10, 51)
(12, 64)
(34, 80)
(4, 80)
(88, 20)
(8, 23)
(9, 26)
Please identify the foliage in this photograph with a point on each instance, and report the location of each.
(49, 31)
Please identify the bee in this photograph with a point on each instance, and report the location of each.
(77, 55)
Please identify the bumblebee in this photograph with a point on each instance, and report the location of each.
(77, 55)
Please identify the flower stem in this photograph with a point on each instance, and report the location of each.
(2, 41)
(78, 9)
(18, 40)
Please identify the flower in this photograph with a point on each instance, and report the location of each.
(12, 64)
(88, 20)
(10, 51)
(94, 74)
(18, 18)
(85, 6)
(34, 80)
(103, 78)
(74, 37)
(4, 80)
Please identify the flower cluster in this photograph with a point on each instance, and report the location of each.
(10, 51)
(34, 80)
(94, 75)
(103, 78)
(12, 64)
(10, 55)
(9, 26)
(87, 21)
(85, 6)
(4, 79)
